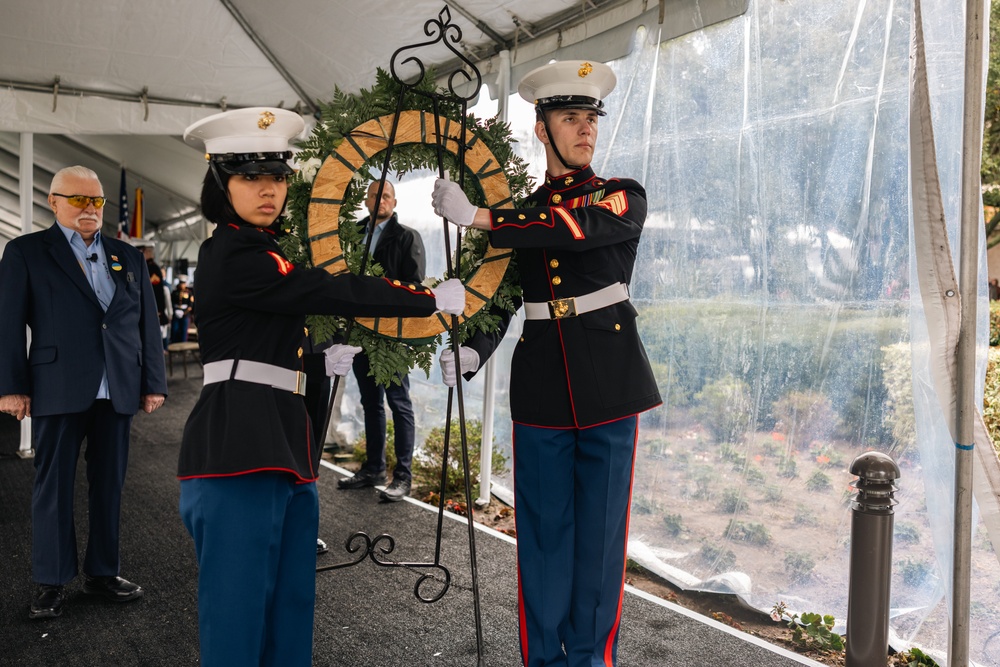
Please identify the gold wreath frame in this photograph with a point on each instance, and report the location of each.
(360, 145)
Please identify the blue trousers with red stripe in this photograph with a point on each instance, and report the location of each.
(255, 536)
(572, 491)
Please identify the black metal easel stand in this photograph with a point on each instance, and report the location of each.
(360, 543)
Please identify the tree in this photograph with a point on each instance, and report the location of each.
(991, 132)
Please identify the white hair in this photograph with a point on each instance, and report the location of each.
(67, 172)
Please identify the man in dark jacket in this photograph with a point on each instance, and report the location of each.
(579, 376)
(95, 360)
(400, 252)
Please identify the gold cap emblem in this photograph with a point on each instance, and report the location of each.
(265, 120)
(585, 69)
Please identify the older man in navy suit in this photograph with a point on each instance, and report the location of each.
(95, 360)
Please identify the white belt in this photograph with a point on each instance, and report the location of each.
(258, 373)
(576, 305)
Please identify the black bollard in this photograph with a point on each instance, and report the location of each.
(871, 560)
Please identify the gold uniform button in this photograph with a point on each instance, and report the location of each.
(556, 280)
(618, 327)
(396, 283)
(542, 216)
(520, 216)
(305, 330)
(411, 287)
(500, 219)
(300, 353)
(569, 180)
(556, 198)
(554, 263)
(522, 339)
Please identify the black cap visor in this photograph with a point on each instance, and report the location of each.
(254, 164)
(571, 102)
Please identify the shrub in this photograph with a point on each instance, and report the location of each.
(717, 558)
(751, 533)
(991, 399)
(723, 406)
(799, 565)
(427, 462)
(914, 571)
(804, 516)
(772, 493)
(645, 505)
(754, 476)
(805, 416)
(788, 468)
(732, 502)
(905, 533)
(898, 415)
(673, 524)
(818, 481)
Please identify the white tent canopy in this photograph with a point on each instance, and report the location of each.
(115, 83)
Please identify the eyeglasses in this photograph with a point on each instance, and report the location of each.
(83, 201)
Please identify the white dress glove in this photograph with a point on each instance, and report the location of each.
(339, 358)
(450, 202)
(449, 297)
(468, 357)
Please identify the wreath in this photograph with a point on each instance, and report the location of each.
(337, 162)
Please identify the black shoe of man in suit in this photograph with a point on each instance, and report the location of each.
(361, 479)
(48, 602)
(114, 589)
(399, 489)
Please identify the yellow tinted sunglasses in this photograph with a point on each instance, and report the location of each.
(82, 201)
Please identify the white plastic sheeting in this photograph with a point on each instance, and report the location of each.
(777, 283)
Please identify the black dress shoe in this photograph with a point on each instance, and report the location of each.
(399, 489)
(48, 602)
(115, 589)
(321, 547)
(361, 479)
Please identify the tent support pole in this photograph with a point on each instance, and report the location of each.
(489, 377)
(26, 178)
(965, 406)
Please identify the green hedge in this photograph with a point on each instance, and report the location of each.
(709, 348)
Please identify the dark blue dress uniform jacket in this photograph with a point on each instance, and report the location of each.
(73, 340)
(575, 235)
(252, 305)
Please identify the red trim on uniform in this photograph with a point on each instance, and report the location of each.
(574, 226)
(414, 288)
(609, 645)
(562, 345)
(581, 428)
(284, 266)
(250, 472)
(234, 226)
(522, 625)
(518, 224)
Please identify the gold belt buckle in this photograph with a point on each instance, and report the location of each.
(562, 308)
(300, 383)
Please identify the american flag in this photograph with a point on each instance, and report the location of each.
(123, 220)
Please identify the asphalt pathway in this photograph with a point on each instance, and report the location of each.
(366, 614)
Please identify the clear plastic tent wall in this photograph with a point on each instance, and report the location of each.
(777, 292)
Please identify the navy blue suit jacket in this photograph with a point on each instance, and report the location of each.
(72, 339)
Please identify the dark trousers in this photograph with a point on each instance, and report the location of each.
(57, 440)
(398, 397)
(255, 538)
(179, 329)
(572, 491)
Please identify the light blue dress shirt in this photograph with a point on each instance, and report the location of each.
(98, 276)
